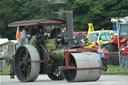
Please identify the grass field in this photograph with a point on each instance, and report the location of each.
(5, 70)
(116, 70)
(112, 70)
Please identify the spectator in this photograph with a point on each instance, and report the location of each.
(124, 51)
(127, 56)
(1, 55)
(101, 54)
(105, 59)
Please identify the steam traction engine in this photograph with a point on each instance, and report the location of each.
(59, 56)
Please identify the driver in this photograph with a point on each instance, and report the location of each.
(37, 30)
(41, 29)
(34, 30)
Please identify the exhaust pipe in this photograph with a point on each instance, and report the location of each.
(69, 24)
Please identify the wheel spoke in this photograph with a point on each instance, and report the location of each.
(27, 72)
(20, 63)
(28, 59)
(57, 73)
(26, 53)
(22, 69)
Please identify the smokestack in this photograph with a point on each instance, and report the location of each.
(70, 24)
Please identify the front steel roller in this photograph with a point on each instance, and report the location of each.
(26, 68)
(83, 60)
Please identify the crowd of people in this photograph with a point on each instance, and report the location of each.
(103, 54)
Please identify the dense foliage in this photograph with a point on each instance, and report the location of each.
(99, 12)
(16, 10)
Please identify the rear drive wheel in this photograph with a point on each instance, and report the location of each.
(26, 67)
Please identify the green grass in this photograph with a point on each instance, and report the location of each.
(112, 70)
(116, 70)
(5, 70)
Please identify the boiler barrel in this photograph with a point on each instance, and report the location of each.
(84, 60)
(58, 54)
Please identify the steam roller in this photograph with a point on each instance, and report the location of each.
(79, 66)
(60, 56)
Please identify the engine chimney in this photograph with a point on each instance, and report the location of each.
(69, 24)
